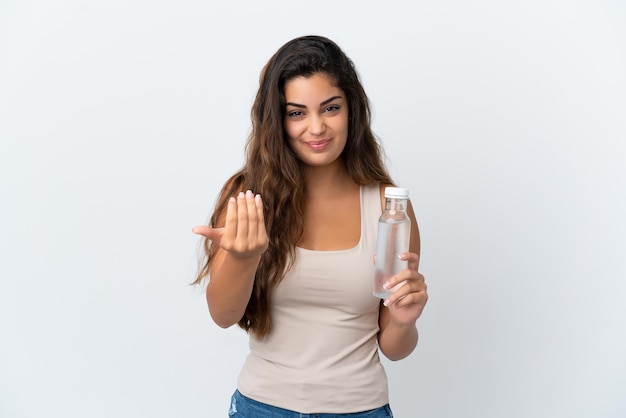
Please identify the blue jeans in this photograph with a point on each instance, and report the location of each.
(243, 407)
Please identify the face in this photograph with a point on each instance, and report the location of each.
(316, 119)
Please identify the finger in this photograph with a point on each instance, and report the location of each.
(397, 291)
(408, 288)
(413, 260)
(399, 303)
(262, 234)
(410, 273)
(397, 297)
(214, 234)
(242, 217)
(398, 278)
(414, 298)
(252, 215)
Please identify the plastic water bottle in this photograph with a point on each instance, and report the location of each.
(394, 233)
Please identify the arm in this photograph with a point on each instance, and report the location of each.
(241, 242)
(398, 334)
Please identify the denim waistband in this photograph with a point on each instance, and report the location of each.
(244, 407)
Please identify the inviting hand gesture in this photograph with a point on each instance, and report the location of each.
(243, 234)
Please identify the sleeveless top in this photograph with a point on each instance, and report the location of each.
(322, 352)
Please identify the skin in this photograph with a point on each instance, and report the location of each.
(316, 124)
(242, 240)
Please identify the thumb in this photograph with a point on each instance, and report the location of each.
(214, 234)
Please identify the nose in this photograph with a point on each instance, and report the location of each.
(317, 126)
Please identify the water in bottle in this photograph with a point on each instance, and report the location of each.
(394, 233)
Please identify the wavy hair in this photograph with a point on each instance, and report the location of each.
(273, 170)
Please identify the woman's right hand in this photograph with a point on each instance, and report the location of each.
(242, 241)
(243, 235)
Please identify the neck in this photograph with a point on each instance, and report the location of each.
(327, 179)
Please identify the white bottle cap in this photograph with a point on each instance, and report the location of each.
(396, 193)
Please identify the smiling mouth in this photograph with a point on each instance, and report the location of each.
(318, 144)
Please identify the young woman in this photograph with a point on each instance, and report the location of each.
(291, 242)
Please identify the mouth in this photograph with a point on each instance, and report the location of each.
(318, 145)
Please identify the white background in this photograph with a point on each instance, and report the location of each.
(120, 120)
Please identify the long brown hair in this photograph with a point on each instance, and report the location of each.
(273, 170)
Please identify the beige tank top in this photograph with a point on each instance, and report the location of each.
(322, 353)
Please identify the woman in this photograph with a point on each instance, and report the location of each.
(290, 246)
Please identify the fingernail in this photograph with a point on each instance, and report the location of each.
(249, 193)
(386, 285)
(258, 197)
(231, 200)
(386, 302)
(241, 195)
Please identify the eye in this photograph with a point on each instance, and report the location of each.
(331, 108)
(294, 114)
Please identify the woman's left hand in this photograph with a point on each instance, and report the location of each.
(407, 302)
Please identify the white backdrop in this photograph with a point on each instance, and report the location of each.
(120, 120)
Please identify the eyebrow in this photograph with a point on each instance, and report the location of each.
(325, 102)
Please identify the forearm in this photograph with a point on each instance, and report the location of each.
(229, 289)
(397, 341)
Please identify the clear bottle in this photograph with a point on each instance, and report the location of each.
(394, 233)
